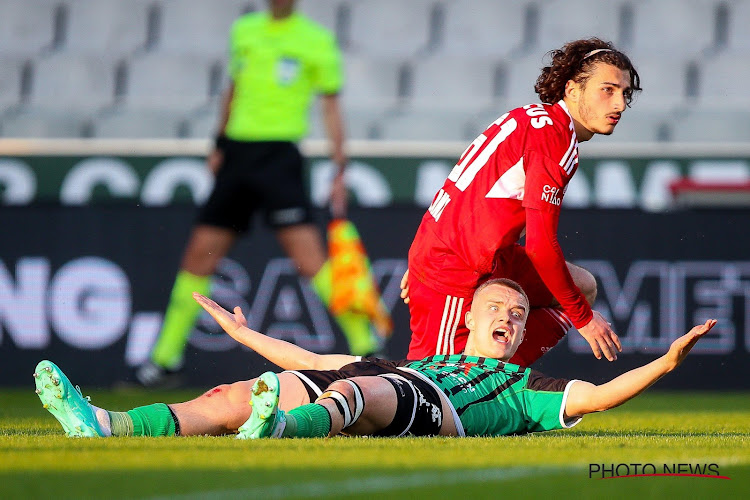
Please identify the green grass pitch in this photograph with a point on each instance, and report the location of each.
(37, 461)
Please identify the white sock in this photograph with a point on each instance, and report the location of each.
(102, 416)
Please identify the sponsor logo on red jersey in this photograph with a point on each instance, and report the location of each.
(552, 194)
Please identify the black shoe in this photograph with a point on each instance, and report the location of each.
(153, 376)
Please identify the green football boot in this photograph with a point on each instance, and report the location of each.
(266, 420)
(65, 402)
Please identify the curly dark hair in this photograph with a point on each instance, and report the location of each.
(570, 63)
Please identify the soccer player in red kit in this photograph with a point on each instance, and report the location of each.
(509, 182)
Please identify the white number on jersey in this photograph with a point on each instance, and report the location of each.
(471, 162)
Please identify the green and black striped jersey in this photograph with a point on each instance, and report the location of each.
(493, 398)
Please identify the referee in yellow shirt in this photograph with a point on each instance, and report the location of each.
(279, 60)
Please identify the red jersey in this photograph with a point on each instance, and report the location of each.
(510, 179)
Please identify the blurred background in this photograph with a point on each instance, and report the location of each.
(107, 108)
(420, 69)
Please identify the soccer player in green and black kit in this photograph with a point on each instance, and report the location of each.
(279, 60)
(464, 395)
(473, 394)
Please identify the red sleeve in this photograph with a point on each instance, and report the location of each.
(546, 255)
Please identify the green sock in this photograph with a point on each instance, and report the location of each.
(151, 420)
(179, 319)
(354, 326)
(310, 420)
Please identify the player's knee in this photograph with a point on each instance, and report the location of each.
(348, 398)
(586, 282)
(227, 394)
(217, 392)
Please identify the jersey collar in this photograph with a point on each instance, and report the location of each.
(564, 106)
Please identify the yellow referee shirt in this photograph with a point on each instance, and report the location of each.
(278, 66)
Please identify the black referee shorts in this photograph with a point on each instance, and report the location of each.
(258, 176)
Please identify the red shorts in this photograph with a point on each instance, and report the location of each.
(437, 320)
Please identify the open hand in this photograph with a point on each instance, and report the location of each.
(680, 348)
(600, 336)
(228, 321)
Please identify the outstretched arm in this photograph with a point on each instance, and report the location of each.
(279, 352)
(586, 398)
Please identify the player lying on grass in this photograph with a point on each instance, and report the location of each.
(471, 394)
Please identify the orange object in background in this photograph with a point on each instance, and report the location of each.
(354, 287)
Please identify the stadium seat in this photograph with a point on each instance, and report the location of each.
(710, 125)
(203, 123)
(110, 27)
(359, 122)
(561, 21)
(492, 29)
(371, 81)
(405, 60)
(738, 36)
(481, 120)
(169, 81)
(139, 124)
(520, 77)
(363, 123)
(454, 82)
(26, 28)
(11, 74)
(429, 125)
(37, 124)
(390, 27)
(723, 81)
(73, 82)
(663, 79)
(673, 28)
(324, 12)
(198, 26)
(639, 124)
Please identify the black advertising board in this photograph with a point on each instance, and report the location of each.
(86, 287)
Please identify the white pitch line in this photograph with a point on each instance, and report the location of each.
(369, 485)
